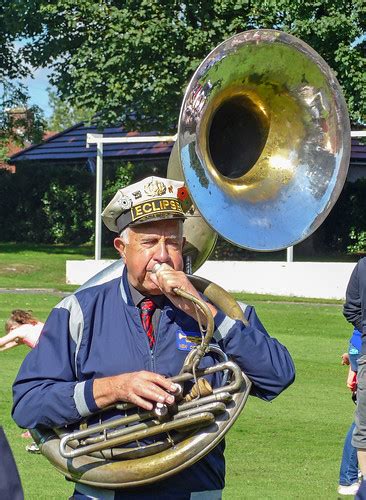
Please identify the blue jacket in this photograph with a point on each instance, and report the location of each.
(97, 332)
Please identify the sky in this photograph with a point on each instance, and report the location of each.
(37, 88)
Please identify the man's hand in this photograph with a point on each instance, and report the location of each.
(143, 389)
(167, 279)
(345, 358)
(352, 380)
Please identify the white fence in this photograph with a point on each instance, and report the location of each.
(326, 280)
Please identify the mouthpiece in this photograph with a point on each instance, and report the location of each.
(156, 268)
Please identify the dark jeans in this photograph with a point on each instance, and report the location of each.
(348, 473)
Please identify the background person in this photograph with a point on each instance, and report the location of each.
(354, 312)
(21, 328)
(100, 348)
(348, 474)
(10, 484)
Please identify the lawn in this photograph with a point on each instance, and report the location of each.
(40, 266)
(286, 449)
(43, 266)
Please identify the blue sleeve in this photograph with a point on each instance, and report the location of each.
(262, 358)
(355, 340)
(46, 391)
(352, 309)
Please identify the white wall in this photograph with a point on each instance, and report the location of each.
(301, 279)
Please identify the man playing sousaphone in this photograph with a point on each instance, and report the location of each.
(123, 340)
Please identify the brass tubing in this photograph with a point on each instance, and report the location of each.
(115, 433)
(111, 424)
(206, 403)
(139, 451)
(210, 327)
(213, 406)
(202, 418)
(123, 421)
(228, 365)
(223, 397)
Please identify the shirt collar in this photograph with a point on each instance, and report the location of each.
(138, 297)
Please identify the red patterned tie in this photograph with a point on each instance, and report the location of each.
(148, 307)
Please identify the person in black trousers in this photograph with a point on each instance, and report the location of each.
(10, 485)
(354, 311)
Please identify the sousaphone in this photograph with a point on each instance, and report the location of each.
(263, 146)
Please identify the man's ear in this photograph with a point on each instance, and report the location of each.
(120, 247)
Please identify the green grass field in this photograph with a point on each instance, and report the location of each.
(40, 266)
(287, 449)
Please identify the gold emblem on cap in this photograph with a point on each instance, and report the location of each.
(155, 188)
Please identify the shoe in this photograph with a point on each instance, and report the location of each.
(351, 489)
(32, 448)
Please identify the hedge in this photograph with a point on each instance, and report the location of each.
(56, 204)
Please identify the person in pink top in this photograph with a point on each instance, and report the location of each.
(21, 328)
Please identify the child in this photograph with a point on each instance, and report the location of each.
(21, 328)
(348, 476)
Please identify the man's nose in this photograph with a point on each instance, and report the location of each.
(162, 254)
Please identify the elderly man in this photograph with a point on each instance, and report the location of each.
(99, 347)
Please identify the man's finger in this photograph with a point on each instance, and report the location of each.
(154, 393)
(141, 402)
(164, 382)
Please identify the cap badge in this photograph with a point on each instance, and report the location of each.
(182, 193)
(155, 188)
(125, 203)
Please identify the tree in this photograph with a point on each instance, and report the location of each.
(11, 64)
(64, 115)
(131, 60)
(20, 123)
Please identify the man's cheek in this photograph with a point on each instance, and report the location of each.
(178, 263)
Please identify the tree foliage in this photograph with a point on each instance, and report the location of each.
(64, 114)
(27, 124)
(47, 204)
(344, 230)
(12, 25)
(134, 58)
(20, 123)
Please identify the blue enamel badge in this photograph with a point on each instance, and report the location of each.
(187, 340)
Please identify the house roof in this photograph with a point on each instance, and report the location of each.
(69, 146)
